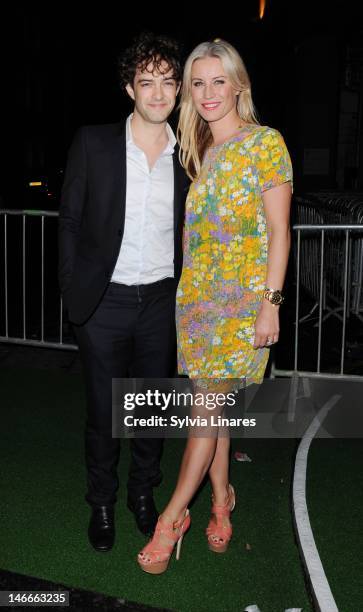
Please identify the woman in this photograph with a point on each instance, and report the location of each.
(236, 247)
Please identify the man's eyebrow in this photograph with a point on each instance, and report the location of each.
(149, 80)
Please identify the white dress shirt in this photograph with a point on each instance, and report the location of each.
(147, 249)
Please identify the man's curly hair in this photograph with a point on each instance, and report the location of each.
(149, 48)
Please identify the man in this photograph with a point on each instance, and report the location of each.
(120, 232)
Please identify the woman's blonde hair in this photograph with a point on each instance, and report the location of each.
(194, 134)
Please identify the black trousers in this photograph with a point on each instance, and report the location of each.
(131, 333)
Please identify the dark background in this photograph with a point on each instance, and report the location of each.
(305, 61)
(59, 71)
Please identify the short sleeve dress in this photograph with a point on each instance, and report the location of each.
(225, 256)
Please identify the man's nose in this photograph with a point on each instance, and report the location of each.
(158, 91)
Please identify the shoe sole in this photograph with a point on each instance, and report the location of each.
(218, 549)
(160, 568)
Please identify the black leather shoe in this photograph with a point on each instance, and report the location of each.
(101, 530)
(145, 513)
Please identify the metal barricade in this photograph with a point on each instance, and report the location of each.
(335, 209)
(328, 264)
(46, 326)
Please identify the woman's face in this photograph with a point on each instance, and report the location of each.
(212, 92)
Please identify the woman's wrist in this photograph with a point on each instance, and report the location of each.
(269, 307)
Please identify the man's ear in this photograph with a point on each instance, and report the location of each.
(130, 91)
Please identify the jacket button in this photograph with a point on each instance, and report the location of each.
(119, 232)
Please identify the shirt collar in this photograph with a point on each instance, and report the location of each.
(169, 149)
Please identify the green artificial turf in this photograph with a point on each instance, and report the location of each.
(335, 502)
(44, 517)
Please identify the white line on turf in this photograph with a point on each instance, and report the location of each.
(318, 579)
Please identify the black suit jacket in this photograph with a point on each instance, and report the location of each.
(92, 216)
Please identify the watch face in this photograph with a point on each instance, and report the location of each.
(276, 297)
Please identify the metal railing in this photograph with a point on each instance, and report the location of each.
(328, 257)
(32, 288)
(328, 260)
(340, 209)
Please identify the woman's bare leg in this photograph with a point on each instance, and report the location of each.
(197, 458)
(219, 469)
(204, 451)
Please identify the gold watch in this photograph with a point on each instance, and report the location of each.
(274, 296)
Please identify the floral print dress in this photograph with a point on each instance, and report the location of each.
(225, 256)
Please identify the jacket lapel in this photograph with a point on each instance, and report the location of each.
(180, 190)
(122, 168)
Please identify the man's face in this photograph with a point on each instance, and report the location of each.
(154, 93)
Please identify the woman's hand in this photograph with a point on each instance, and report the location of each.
(267, 325)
